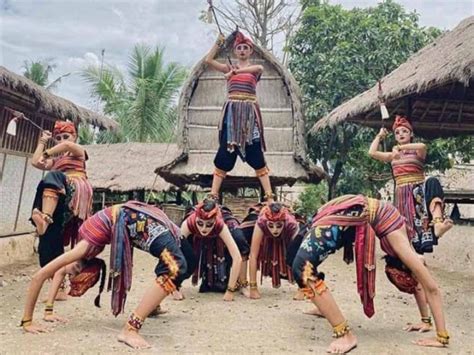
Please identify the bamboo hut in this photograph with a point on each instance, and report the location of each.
(18, 179)
(199, 113)
(434, 88)
(128, 168)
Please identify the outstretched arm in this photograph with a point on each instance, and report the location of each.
(374, 147)
(257, 237)
(419, 147)
(236, 260)
(67, 146)
(38, 161)
(41, 276)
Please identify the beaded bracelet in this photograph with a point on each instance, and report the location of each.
(443, 337)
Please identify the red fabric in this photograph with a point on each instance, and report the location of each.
(200, 213)
(64, 127)
(274, 217)
(240, 38)
(401, 121)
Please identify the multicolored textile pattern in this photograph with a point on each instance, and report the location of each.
(124, 226)
(272, 255)
(401, 121)
(330, 231)
(214, 262)
(413, 197)
(241, 116)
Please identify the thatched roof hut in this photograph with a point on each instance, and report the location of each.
(199, 113)
(48, 104)
(127, 167)
(434, 87)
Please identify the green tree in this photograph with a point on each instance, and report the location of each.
(337, 54)
(142, 100)
(39, 71)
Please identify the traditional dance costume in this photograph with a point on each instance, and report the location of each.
(213, 259)
(135, 224)
(414, 197)
(241, 125)
(352, 222)
(67, 183)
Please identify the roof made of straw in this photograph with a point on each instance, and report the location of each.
(127, 167)
(438, 78)
(200, 110)
(50, 104)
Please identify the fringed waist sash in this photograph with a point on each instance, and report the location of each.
(242, 96)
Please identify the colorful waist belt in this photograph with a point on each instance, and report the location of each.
(75, 174)
(241, 96)
(409, 179)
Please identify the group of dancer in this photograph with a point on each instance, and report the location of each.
(213, 246)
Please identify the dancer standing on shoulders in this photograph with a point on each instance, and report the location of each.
(241, 125)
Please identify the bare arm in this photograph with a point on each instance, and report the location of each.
(257, 237)
(223, 68)
(255, 69)
(67, 146)
(374, 148)
(37, 160)
(42, 275)
(185, 232)
(419, 147)
(53, 291)
(236, 258)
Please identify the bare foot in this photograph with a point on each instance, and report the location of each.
(178, 295)
(432, 342)
(343, 344)
(40, 223)
(228, 296)
(442, 227)
(299, 296)
(35, 329)
(245, 291)
(419, 327)
(61, 295)
(255, 294)
(314, 312)
(133, 339)
(54, 318)
(155, 313)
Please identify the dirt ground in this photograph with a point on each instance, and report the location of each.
(203, 323)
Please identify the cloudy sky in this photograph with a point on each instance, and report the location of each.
(73, 32)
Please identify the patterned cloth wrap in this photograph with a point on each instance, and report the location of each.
(134, 224)
(213, 259)
(241, 121)
(414, 196)
(331, 231)
(93, 270)
(273, 251)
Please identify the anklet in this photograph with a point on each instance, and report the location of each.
(437, 220)
(340, 330)
(48, 309)
(134, 322)
(243, 284)
(232, 289)
(253, 285)
(26, 322)
(443, 337)
(427, 320)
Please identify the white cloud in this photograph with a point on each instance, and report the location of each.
(73, 32)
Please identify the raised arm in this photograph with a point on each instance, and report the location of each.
(223, 68)
(38, 161)
(374, 147)
(255, 69)
(257, 237)
(236, 262)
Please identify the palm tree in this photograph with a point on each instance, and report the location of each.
(142, 101)
(39, 71)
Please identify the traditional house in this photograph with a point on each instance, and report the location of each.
(434, 88)
(199, 111)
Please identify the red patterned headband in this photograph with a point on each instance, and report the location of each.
(242, 39)
(275, 212)
(64, 127)
(207, 209)
(401, 121)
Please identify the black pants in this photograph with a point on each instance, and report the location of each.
(51, 243)
(225, 160)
